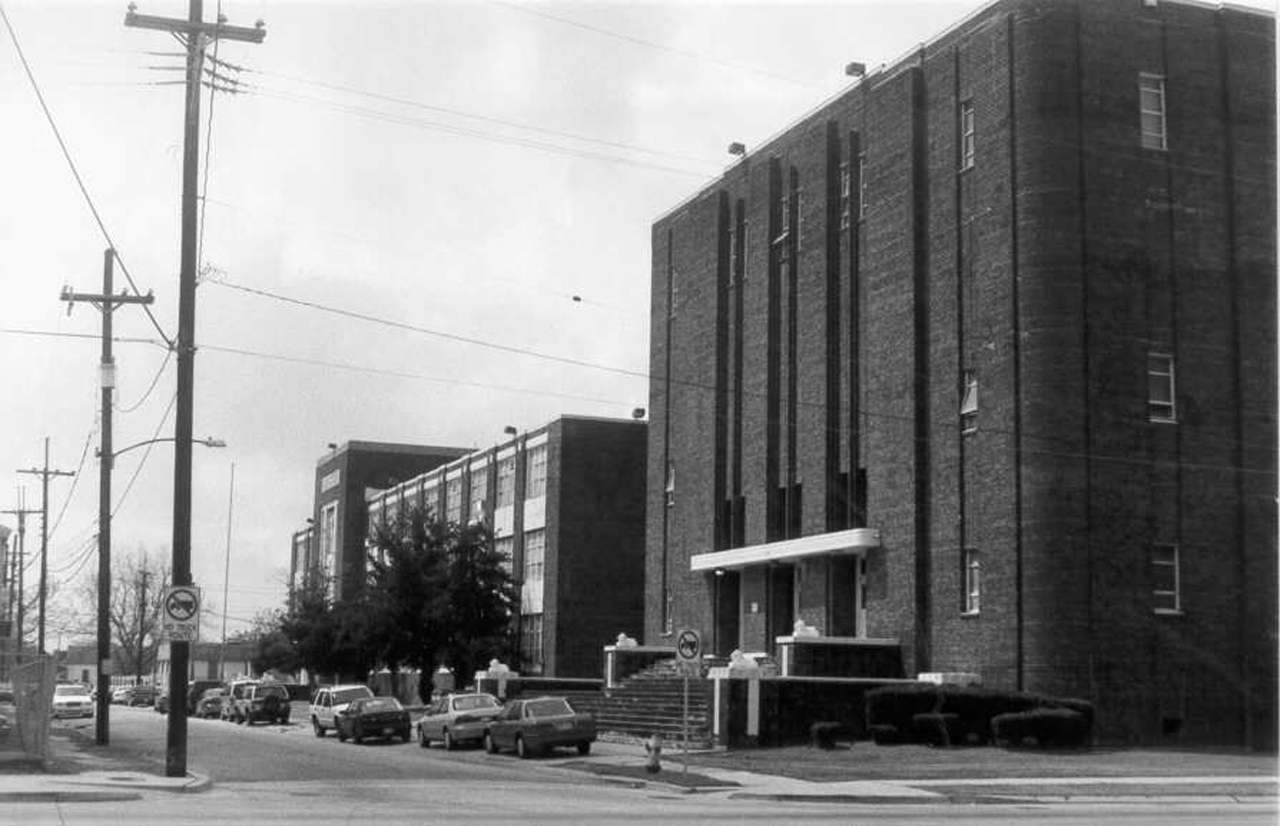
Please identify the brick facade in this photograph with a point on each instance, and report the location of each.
(808, 376)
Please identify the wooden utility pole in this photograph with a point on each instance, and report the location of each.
(44, 474)
(196, 34)
(106, 303)
(20, 564)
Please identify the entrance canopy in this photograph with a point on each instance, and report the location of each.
(841, 542)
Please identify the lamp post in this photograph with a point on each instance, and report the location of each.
(102, 722)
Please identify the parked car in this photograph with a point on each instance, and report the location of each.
(209, 704)
(195, 690)
(329, 703)
(120, 693)
(457, 718)
(140, 695)
(263, 701)
(162, 702)
(72, 700)
(298, 692)
(373, 717)
(230, 702)
(538, 725)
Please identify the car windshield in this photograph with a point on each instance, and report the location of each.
(550, 707)
(273, 691)
(346, 695)
(382, 704)
(211, 694)
(474, 702)
(66, 690)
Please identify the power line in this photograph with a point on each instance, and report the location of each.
(146, 453)
(154, 381)
(75, 480)
(737, 67)
(505, 348)
(66, 153)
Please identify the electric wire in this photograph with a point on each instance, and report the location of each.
(154, 381)
(146, 453)
(737, 67)
(208, 149)
(66, 153)
(75, 479)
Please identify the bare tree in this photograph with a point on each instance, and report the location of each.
(138, 583)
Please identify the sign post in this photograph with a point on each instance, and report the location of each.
(689, 661)
(181, 619)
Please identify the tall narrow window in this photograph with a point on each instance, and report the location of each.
(1161, 398)
(1151, 105)
(972, 581)
(668, 613)
(671, 484)
(505, 548)
(1166, 584)
(453, 499)
(862, 186)
(846, 195)
(531, 588)
(536, 472)
(966, 135)
(479, 494)
(969, 403)
(784, 216)
(506, 493)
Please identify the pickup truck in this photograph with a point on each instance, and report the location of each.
(330, 701)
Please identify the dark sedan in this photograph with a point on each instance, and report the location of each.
(373, 717)
(538, 725)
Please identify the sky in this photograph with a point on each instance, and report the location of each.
(423, 222)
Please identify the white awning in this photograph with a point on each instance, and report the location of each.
(841, 542)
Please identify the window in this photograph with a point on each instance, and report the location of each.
(1151, 105)
(328, 539)
(531, 590)
(972, 581)
(784, 217)
(733, 253)
(505, 549)
(1165, 580)
(536, 472)
(506, 495)
(862, 186)
(668, 613)
(671, 484)
(969, 403)
(966, 135)
(479, 493)
(1161, 405)
(531, 651)
(453, 499)
(846, 193)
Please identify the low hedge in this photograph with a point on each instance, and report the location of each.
(911, 711)
(1053, 727)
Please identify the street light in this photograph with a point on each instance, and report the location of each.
(102, 723)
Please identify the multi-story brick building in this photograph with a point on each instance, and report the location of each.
(980, 358)
(333, 545)
(565, 503)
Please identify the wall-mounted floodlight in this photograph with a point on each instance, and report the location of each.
(510, 430)
(738, 149)
(638, 413)
(856, 69)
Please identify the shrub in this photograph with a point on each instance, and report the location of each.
(898, 706)
(939, 729)
(1062, 727)
(883, 735)
(824, 735)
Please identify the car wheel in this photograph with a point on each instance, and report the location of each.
(522, 750)
(423, 739)
(316, 727)
(405, 735)
(357, 734)
(240, 721)
(584, 748)
(448, 741)
(342, 735)
(283, 719)
(489, 745)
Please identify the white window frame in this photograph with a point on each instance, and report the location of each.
(669, 491)
(328, 561)
(1166, 556)
(862, 185)
(1156, 138)
(972, 581)
(968, 141)
(784, 217)
(846, 193)
(535, 472)
(505, 489)
(1162, 371)
(969, 402)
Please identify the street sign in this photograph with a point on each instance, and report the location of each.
(180, 619)
(688, 645)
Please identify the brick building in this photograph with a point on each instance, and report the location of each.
(565, 503)
(333, 544)
(978, 359)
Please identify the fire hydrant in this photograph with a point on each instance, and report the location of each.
(653, 754)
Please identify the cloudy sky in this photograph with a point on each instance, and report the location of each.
(485, 172)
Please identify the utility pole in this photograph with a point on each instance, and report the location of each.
(44, 474)
(196, 34)
(20, 563)
(106, 303)
(142, 624)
